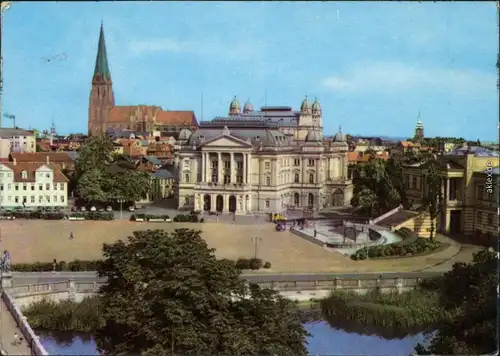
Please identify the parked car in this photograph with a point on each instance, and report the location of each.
(108, 208)
(83, 208)
(92, 208)
(131, 208)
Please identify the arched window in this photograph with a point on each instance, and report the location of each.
(296, 199)
(310, 199)
(296, 178)
(268, 181)
(24, 175)
(311, 178)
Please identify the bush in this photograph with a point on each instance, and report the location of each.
(202, 220)
(66, 315)
(243, 263)
(416, 247)
(249, 263)
(255, 264)
(267, 265)
(94, 215)
(186, 218)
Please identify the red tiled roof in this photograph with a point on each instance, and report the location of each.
(186, 118)
(41, 157)
(30, 169)
(119, 114)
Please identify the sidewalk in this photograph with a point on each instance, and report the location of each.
(8, 327)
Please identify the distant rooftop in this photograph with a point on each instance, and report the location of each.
(476, 150)
(9, 132)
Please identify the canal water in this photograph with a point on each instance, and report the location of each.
(324, 340)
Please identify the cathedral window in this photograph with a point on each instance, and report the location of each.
(268, 181)
(311, 178)
(296, 178)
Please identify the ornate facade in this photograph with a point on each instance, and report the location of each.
(262, 161)
(105, 115)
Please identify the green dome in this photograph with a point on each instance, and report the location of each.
(305, 107)
(316, 105)
(235, 105)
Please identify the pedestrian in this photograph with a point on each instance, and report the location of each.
(54, 266)
(315, 232)
(71, 236)
(16, 338)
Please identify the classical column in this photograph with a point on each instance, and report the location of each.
(219, 168)
(249, 168)
(226, 203)
(213, 202)
(304, 171)
(262, 179)
(273, 173)
(318, 171)
(203, 167)
(207, 167)
(245, 169)
(232, 169)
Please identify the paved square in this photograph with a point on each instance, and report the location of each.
(43, 240)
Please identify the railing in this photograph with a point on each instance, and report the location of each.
(281, 286)
(28, 333)
(386, 215)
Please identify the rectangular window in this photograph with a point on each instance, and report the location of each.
(25, 187)
(25, 200)
(47, 198)
(310, 163)
(296, 162)
(239, 165)
(32, 198)
(55, 186)
(267, 165)
(40, 187)
(215, 178)
(16, 199)
(227, 179)
(239, 179)
(1, 186)
(414, 183)
(54, 198)
(47, 186)
(9, 198)
(40, 198)
(32, 187)
(62, 198)
(9, 186)
(267, 203)
(16, 186)
(61, 186)
(227, 165)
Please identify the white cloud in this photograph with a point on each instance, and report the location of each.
(398, 77)
(206, 47)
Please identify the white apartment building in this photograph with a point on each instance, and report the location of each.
(20, 140)
(32, 185)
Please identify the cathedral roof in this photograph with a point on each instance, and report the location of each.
(123, 114)
(101, 62)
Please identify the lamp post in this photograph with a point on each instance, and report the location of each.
(256, 241)
(121, 201)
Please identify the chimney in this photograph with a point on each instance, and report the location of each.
(48, 161)
(14, 161)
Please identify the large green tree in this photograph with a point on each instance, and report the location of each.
(167, 294)
(473, 289)
(102, 176)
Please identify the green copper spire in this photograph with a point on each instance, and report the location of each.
(101, 62)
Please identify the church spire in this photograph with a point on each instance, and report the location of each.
(101, 63)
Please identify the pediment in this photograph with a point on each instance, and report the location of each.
(225, 141)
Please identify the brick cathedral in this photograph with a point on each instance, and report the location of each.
(105, 115)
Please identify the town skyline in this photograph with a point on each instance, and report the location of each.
(246, 61)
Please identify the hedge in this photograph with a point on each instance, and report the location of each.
(397, 249)
(73, 266)
(147, 217)
(55, 215)
(92, 265)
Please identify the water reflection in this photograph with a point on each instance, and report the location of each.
(340, 339)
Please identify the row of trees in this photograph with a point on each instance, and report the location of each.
(379, 186)
(101, 176)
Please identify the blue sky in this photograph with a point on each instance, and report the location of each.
(373, 66)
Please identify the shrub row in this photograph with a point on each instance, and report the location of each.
(251, 263)
(397, 250)
(92, 265)
(89, 215)
(94, 215)
(73, 266)
(177, 218)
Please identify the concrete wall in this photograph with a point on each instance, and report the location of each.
(420, 224)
